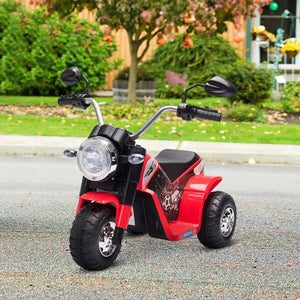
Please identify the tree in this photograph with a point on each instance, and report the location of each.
(144, 20)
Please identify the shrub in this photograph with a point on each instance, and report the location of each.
(291, 97)
(35, 49)
(254, 84)
(242, 112)
(208, 57)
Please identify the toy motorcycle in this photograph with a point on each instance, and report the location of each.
(124, 188)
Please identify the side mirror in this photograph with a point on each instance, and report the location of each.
(220, 87)
(70, 76)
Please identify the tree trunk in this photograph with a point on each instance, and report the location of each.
(133, 70)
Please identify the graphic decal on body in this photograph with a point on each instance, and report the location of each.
(149, 169)
(169, 194)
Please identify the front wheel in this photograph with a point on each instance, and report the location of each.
(91, 237)
(218, 220)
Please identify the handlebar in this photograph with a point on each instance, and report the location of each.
(83, 102)
(184, 111)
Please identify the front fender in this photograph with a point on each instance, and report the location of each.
(123, 212)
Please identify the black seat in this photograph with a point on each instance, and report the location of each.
(175, 162)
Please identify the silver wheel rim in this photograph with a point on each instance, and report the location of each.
(227, 221)
(106, 246)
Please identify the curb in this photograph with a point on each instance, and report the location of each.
(210, 151)
(246, 153)
(37, 145)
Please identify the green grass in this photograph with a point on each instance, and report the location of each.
(132, 118)
(40, 100)
(28, 100)
(169, 130)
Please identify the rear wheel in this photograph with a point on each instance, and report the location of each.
(218, 220)
(91, 237)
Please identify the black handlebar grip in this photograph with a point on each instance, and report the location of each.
(189, 112)
(75, 100)
(65, 101)
(208, 115)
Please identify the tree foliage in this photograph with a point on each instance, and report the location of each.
(137, 16)
(144, 20)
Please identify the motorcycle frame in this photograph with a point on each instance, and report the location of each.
(191, 206)
(195, 193)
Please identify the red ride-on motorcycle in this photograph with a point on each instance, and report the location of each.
(124, 188)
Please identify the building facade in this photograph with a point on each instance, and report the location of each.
(286, 17)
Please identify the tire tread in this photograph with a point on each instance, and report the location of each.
(210, 233)
(83, 237)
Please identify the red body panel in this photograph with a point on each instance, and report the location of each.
(191, 205)
(123, 212)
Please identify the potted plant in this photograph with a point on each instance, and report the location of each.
(145, 87)
(261, 34)
(291, 48)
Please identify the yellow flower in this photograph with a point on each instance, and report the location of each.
(259, 29)
(291, 46)
(262, 30)
(270, 35)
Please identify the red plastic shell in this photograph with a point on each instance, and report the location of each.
(191, 207)
(123, 212)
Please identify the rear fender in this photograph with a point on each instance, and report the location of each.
(123, 212)
(195, 193)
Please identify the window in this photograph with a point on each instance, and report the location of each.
(287, 17)
(272, 20)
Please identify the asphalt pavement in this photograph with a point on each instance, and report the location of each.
(39, 190)
(211, 152)
(38, 201)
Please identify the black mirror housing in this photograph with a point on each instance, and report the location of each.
(71, 76)
(220, 87)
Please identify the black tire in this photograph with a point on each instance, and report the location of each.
(93, 225)
(218, 220)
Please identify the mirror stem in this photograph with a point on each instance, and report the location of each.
(189, 88)
(87, 84)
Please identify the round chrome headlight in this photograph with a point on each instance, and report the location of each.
(97, 158)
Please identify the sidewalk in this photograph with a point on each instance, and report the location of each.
(211, 152)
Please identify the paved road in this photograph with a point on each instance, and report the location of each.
(38, 200)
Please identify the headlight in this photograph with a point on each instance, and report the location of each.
(97, 158)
